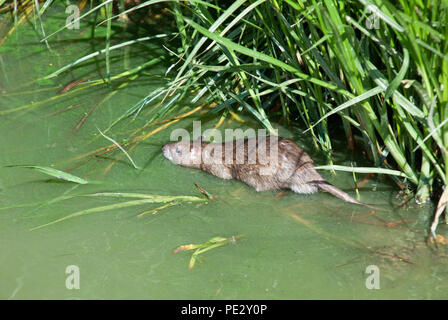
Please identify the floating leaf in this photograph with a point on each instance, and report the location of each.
(214, 242)
(53, 172)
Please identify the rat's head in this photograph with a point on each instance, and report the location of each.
(185, 153)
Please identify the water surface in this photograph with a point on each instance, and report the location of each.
(292, 246)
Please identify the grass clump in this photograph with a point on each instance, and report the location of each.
(380, 68)
(375, 69)
(377, 66)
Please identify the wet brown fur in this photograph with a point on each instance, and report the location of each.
(294, 169)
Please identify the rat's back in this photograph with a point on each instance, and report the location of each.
(264, 163)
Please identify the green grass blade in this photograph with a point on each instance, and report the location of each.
(264, 57)
(363, 170)
(52, 172)
(77, 19)
(146, 200)
(364, 96)
(149, 197)
(400, 76)
(94, 54)
(108, 35)
(212, 29)
(119, 147)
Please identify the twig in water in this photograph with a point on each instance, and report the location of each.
(72, 84)
(280, 194)
(440, 208)
(83, 119)
(204, 192)
(364, 180)
(62, 110)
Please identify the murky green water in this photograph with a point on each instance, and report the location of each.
(293, 246)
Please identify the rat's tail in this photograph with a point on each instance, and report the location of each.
(324, 185)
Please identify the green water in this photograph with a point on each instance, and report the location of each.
(292, 247)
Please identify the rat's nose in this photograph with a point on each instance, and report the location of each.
(165, 151)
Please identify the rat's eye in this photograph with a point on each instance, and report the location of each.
(178, 150)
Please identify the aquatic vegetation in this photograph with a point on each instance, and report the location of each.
(119, 147)
(53, 172)
(375, 70)
(378, 68)
(142, 199)
(213, 243)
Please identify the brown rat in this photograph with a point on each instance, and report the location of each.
(265, 163)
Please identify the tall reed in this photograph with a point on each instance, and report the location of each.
(376, 68)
